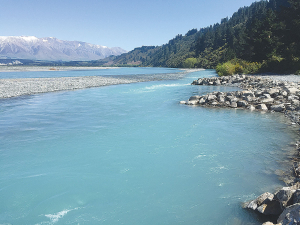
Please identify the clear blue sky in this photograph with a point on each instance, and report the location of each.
(113, 23)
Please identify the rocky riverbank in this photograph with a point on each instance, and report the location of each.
(28, 86)
(263, 94)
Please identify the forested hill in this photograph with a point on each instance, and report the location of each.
(267, 32)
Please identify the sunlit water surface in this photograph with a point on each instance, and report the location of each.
(130, 154)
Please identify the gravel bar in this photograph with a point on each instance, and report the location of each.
(28, 86)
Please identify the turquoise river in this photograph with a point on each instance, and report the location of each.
(131, 154)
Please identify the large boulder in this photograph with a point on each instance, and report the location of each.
(296, 196)
(221, 99)
(233, 105)
(196, 97)
(284, 196)
(242, 103)
(211, 97)
(270, 208)
(291, 90)
(202, 101)
(193, 102)
(248, 93)
(251, 107)
(265, 197)
(290, 216)
(278, 108)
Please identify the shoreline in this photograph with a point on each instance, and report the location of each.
(50, 68)
(66, 68)
(28, 86)
(265, 93)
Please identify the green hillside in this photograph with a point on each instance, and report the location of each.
(267, 32)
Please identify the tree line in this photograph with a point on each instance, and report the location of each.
(266, 32)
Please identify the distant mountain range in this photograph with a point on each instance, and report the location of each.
(53, 49)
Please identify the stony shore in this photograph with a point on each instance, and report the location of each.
(263, 93)
(28, 86)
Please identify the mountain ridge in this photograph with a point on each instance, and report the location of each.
(53, 49)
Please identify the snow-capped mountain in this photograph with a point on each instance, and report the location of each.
(53, 49)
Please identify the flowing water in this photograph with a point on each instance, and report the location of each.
(130, 154)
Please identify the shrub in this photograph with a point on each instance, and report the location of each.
(238, 66)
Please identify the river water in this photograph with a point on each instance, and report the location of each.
(131, 154)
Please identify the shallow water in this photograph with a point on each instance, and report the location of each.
(130, 154)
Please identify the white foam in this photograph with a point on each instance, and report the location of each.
(164, 85)
(36, 175)
(124, 170)
(55, 217)
(199, 156)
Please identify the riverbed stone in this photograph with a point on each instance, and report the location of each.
(242, 103)
(202, 101)
(296, 196)
(196, 97)
(233, 105)
(248, 93)
(262, 107)
(277, 108)
(284, 196)
(270, 208)
(291, 90)
(193, 102)
(290, 216)
(263, 198)
(265, 95)
(267, 100)
(251, 107)
(211, 97)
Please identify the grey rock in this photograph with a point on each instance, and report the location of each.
(214, 103)
(278, 108)
(295, 102)
(202, 101)
(262, 107)
(233, 105)
(217, 82)
(270, 208)
(221, 99)
(283, 93)
(193, 102)
(290, 216)
(251, 107)
(268, 223)
(291, 90)
(266, 95)
(248, 98)
(284, 196)
(267, 100)
(211, 97)
(234, 99)
(196, 97)
(242, 103)
(263, 198)
(296, 196)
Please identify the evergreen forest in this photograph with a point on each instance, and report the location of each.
(263, 37)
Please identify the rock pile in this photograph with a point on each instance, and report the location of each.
(285, 204)
(262, 94)
(258, 94)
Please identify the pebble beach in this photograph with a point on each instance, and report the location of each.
(28, 86)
